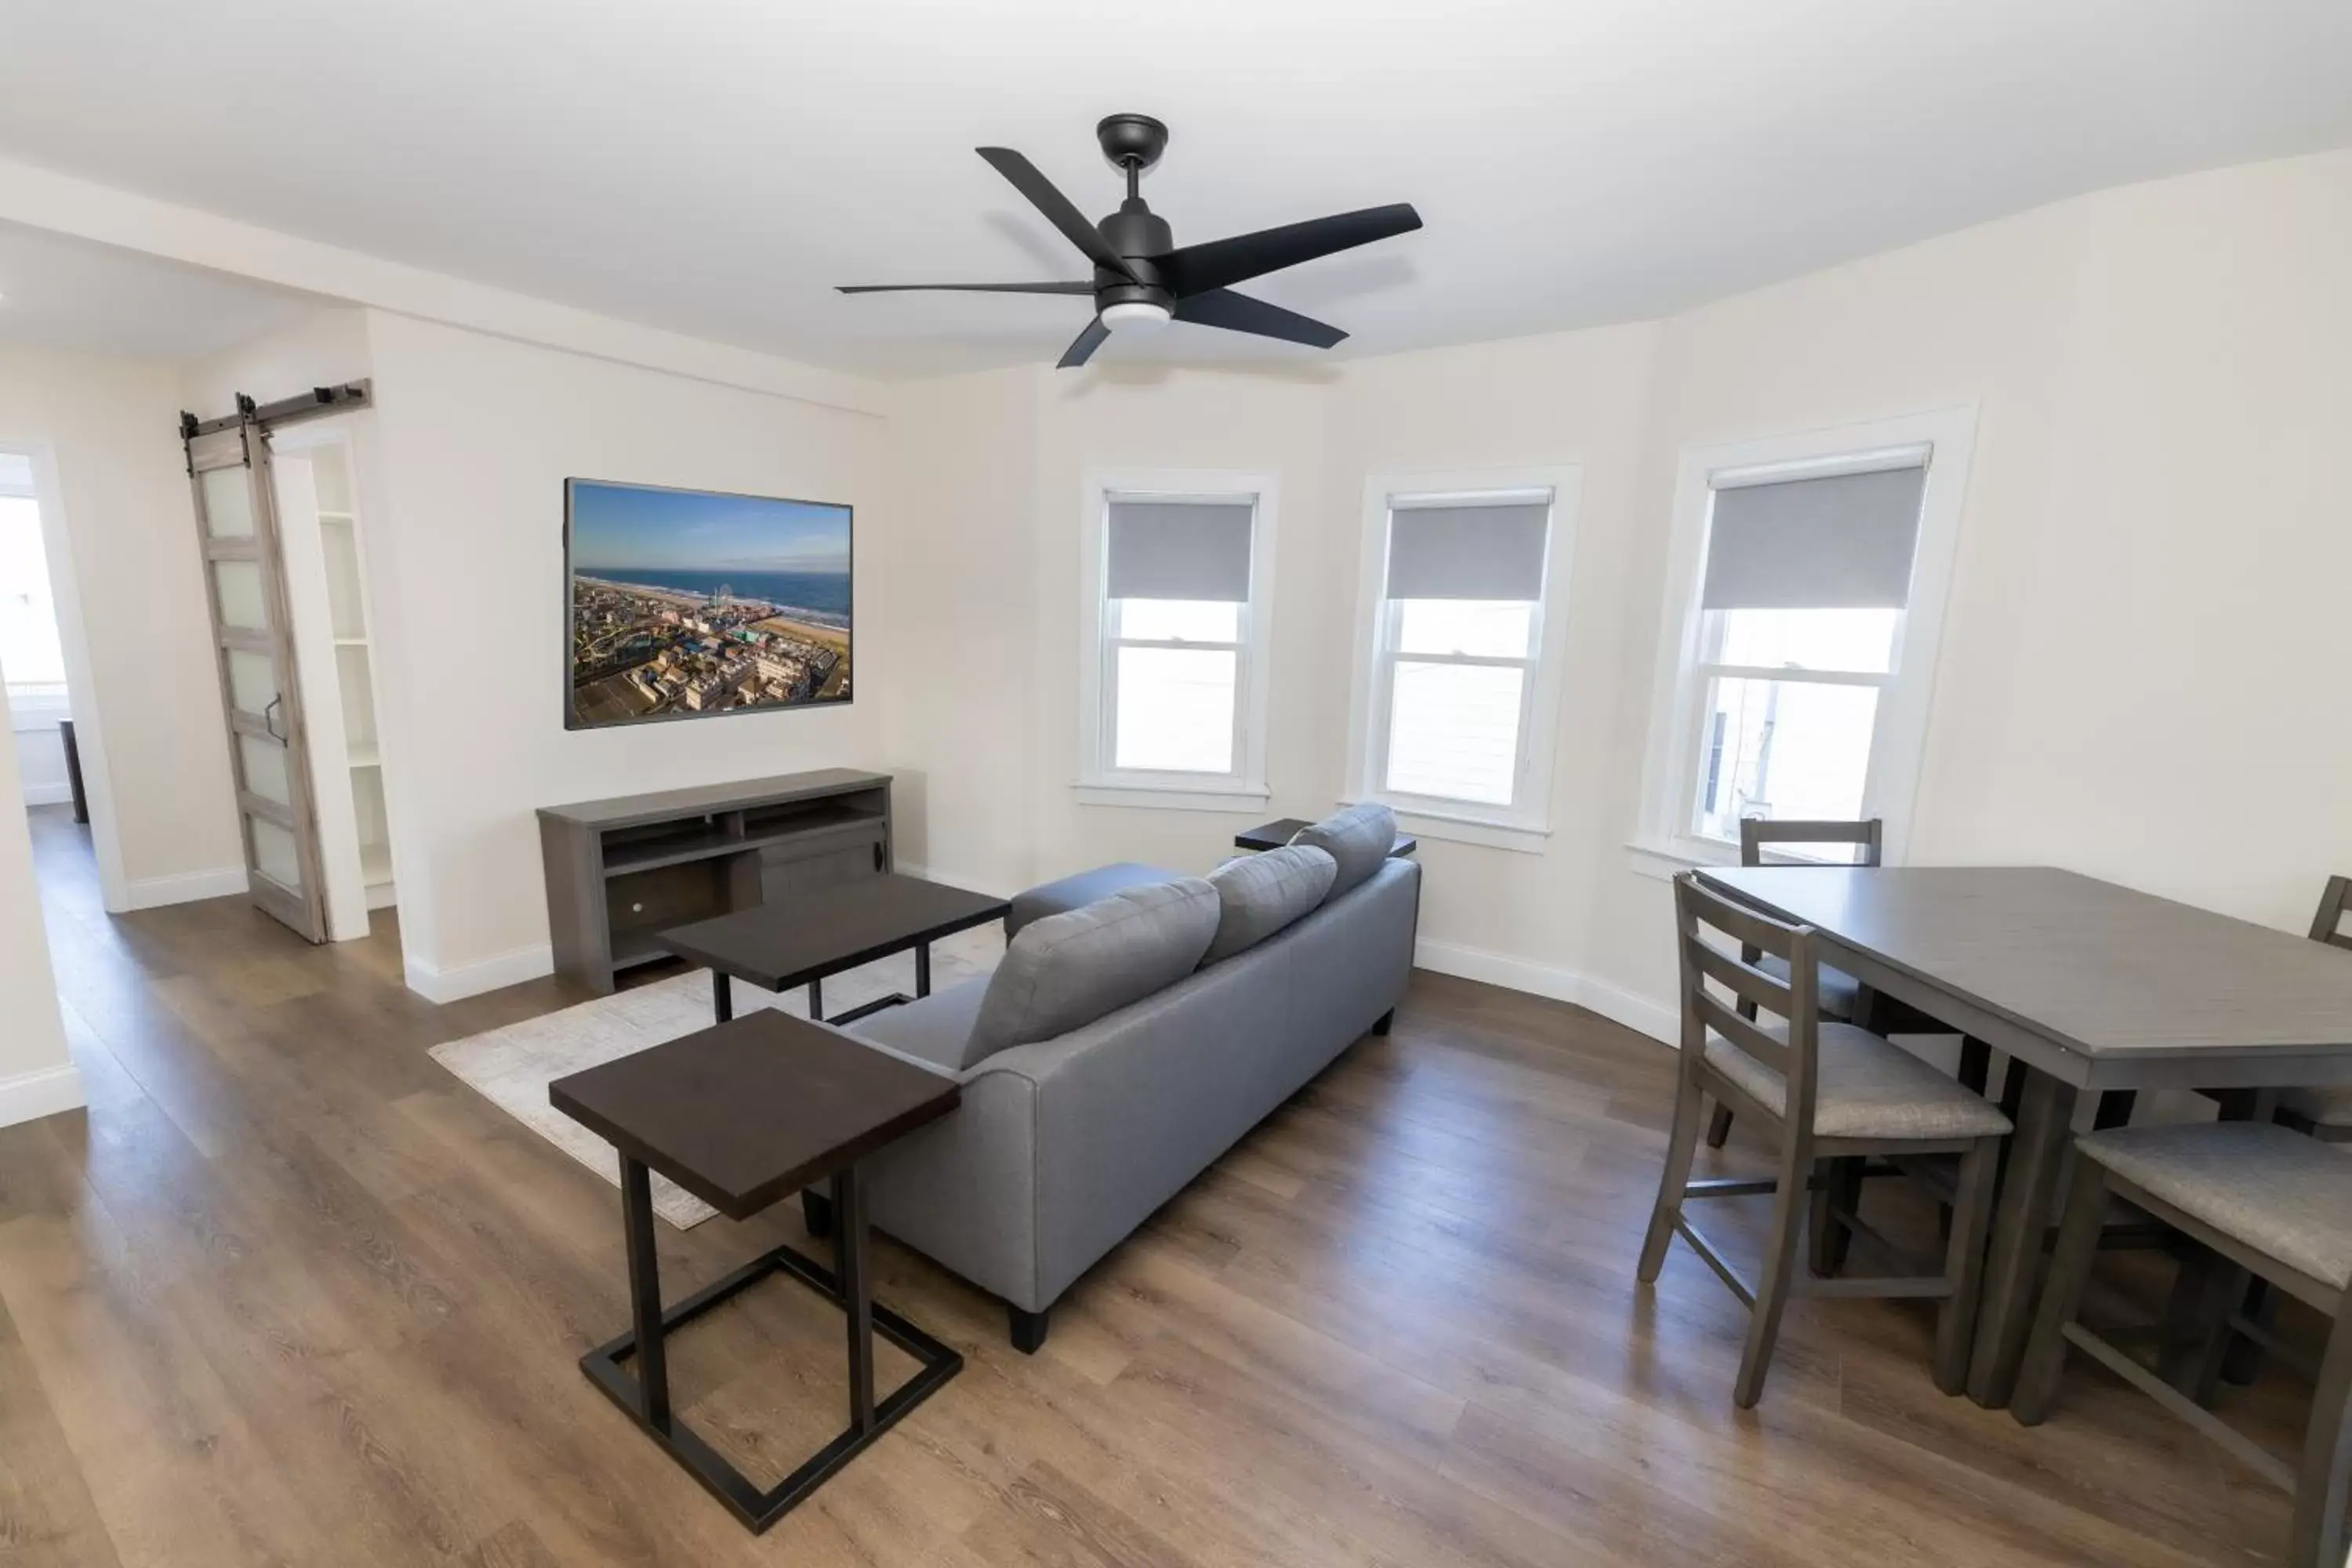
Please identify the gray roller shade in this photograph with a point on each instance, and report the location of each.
(1179, 550)
(1841, 542)
(1467, 552)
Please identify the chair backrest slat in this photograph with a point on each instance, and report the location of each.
(1793, 1002)
(2328, 925)
(1748, 1036)
(1867, 835)
(1744, 980)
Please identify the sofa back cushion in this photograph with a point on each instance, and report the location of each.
(1358, 839)
(1064, 970)
(1257, 895)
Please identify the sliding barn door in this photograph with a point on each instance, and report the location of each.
(245, 584)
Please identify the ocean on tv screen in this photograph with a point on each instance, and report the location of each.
(822, 596)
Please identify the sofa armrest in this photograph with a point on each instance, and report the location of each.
(963, 1189)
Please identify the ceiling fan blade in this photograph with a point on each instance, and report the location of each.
(1082, 348)
(1197, 269)
(1058, 208)
(967, 288)
(1240, 313)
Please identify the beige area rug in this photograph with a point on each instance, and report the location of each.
(513, 1066)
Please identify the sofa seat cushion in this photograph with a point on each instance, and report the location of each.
(1358, 840)
(1078, 892)
(1257, 895)
(935, 1027)
(1063, 972)
(1864, 1087)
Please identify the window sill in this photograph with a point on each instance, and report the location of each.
(1462, 827)
(1159, 796)
(1665, 862)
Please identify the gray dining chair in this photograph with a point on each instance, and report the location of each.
(2265, 1199)
(1832, 1091)
(1841, 993)
(2324, 1114)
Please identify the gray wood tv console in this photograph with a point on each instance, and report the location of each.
(620, 871)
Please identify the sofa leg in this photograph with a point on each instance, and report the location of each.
(816, 1212)
(1381, 1024)
(1028, 1328)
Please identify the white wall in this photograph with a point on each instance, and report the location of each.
(41, 775)
(37, 1077)
(2142, 672)
(158, 766)
(988, 471)
(476, 435)
(322, 347)
(2142, 677)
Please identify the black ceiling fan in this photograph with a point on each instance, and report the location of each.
(1142, 280)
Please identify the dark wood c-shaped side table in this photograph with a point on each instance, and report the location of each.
(741, 1115)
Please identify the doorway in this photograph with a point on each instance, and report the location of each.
(45, 663)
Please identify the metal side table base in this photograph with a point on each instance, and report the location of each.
(643, 1392)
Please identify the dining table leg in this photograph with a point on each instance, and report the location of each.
(2012, 1278)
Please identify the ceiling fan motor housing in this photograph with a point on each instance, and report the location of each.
(1137, 234)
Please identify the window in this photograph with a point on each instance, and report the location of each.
(31, 657)
(1174, 700)
(1806, 593)
(1459, 676)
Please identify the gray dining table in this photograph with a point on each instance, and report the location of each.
(2092, 987)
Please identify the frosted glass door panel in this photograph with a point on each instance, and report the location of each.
(229, 501)
(252, 683)
(236, 589)
(274, 854)
(265, 770)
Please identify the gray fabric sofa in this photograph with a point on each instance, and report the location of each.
(1063, 1146)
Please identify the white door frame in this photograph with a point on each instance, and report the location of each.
(81, 686)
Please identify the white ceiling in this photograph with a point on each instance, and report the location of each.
(713, 165)
(63, 293)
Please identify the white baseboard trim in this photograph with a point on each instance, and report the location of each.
(461, 981)
(49, 795)
(31, 1095)
(182, 887)
(1650, 1017)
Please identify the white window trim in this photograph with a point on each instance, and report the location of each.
(1664, 842)
(1246, 788)
(1526, 824)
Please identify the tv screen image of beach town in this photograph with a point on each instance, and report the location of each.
(686, 603)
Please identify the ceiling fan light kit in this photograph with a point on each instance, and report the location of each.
(1142, 280)
(1137, 316)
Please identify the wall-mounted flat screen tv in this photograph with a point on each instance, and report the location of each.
(687, 604)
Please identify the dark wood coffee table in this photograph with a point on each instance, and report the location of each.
(800, 942)
(741, 1115)
(1275, 834)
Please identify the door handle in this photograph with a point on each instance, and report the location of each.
(270, 720)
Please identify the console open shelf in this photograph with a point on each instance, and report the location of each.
(621, 871)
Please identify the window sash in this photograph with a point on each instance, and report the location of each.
(1387, 655)
(1704, 671)
(1106, 763)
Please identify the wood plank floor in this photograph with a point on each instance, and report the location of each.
(288, 1293)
